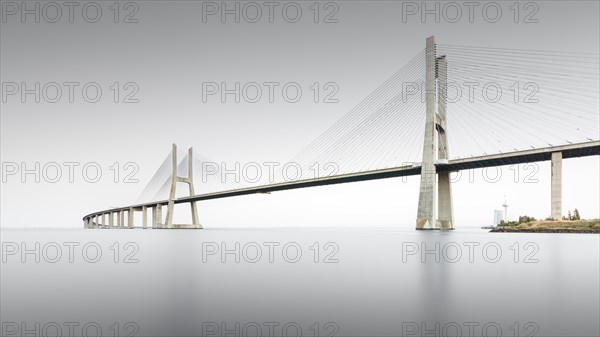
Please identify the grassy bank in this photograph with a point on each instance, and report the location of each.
(551, 226)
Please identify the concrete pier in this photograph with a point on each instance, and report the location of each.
(156, 216)
(556, 186)
(427, 207)
(144, 217)
(435, 197)
(130, 218)
(188, 180)
(445, 213)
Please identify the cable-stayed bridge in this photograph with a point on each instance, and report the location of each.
(450, 108)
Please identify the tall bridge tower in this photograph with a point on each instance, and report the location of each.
(173, 195)
(435, 194)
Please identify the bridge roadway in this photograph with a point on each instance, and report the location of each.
(590, 148)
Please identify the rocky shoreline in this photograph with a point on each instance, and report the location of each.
(553, 226)
(507, 229)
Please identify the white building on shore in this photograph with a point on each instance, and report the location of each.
(498, 216)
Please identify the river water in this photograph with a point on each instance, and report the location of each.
(295, 281)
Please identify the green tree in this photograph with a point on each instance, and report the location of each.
(576, 214)
(525, 219)
(569, 217)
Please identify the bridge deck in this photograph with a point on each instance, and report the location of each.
(510, 158)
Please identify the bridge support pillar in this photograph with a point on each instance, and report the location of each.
(111, 219)
(435, 197)
(556, 187)
(445, 215)
(156, 216)
(130, 217)
(144, 217)
(190, 181)
(427, 208)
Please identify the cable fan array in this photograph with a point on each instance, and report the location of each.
(499, 100)
(515, 99)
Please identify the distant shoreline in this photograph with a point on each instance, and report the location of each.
(551, 226)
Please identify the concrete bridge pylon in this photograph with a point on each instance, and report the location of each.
(435, 193)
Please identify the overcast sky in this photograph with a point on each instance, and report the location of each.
(159, 54)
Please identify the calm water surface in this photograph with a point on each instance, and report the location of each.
(294, 281)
